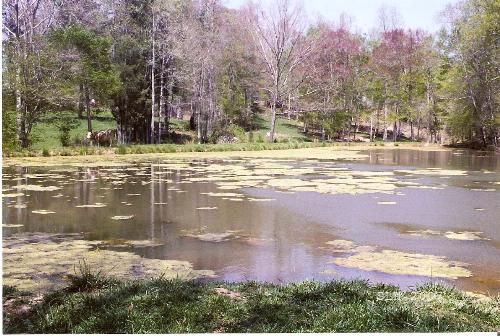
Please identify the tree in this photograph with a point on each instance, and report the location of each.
(86, 58)
(28, 65)
(278, 34)
(238, 77)
(472, 46)
(335, 85)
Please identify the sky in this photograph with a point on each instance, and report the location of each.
(422, 14)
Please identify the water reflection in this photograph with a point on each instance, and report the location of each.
(284, 239)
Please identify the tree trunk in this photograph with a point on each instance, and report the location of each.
(395, 131)
(371, 126)
(153, 101)
(289, 107)
(162, 97)
(87, 106)
(385, 122)
(19, 115)
(273, 106)
(81, 102)
(273, 122)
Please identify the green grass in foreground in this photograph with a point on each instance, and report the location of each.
(99, 305)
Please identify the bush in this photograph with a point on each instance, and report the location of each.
(231, 131)
(260, 138)
(9, 126)
(45, 152)
(65, 122)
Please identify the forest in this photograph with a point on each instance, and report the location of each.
(152, 63)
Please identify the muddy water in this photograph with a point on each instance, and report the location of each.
(396, 216)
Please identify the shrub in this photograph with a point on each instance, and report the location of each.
(65, 122)
(231, 131)
(45, 152)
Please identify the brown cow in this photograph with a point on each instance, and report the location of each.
(101, 138)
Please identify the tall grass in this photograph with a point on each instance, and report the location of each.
(93, 304)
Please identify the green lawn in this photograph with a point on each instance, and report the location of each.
(285, 129)
(92, 304)
(45, 134)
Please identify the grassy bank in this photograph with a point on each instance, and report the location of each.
(200, 148)
(99, 305)
(45, 134)
(163, 148)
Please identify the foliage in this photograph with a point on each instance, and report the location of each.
(9, 129)
(229, 132)
(149, 62)
(65, 122)
(471, 46)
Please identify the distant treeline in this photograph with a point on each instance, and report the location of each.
(148, 61)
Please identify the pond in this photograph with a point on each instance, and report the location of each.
(397, 216)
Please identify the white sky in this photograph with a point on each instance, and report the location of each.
(422, 14)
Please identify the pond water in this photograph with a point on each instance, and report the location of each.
(397, 216)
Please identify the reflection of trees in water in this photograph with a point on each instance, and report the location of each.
(152, 203)
(449, 159)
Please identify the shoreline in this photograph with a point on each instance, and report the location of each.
(310, 151)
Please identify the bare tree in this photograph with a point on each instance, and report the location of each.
(278, 33)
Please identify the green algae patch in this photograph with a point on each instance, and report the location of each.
(465, 235)
(432, 172)
(12, 195)
(341, 245)
(122, 217)
(125, 243)
(40, 261)
(35, 187)
(95, 205)
(396, 262)
(213, 237)
(20, 206)
(43, 212)
(251, 199)
(12, 225)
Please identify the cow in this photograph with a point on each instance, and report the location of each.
(101, 138)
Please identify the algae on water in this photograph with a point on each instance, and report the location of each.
(40, 261)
